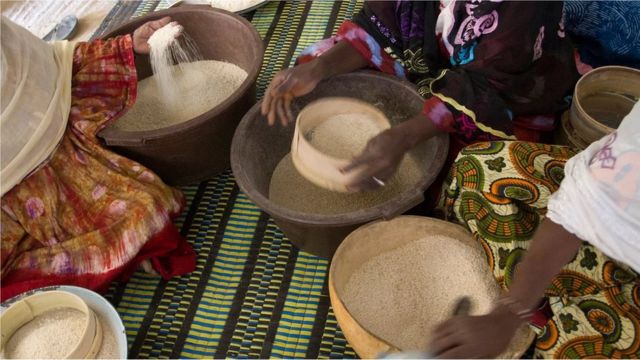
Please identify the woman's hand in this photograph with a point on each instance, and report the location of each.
(474, 336)
(383, 154)
(143, 33)
(287, 85)
(379, 160)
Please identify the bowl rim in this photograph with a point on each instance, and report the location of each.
(140, 137)
(355, 217)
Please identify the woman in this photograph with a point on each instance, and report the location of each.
(73, 212)
(481, 65)
(583, 260)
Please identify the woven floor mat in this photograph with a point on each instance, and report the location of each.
(253, 294)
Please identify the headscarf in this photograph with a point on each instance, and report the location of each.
(36, 99)
(605, 32)
(599, 198)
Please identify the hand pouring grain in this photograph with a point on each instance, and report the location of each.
(462, 308)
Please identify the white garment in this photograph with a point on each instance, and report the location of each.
(599, 198)
(35, 103)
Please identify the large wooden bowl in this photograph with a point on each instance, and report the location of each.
(258, 148)
(199, 148)
(381, 237)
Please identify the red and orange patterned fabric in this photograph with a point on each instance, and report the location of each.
(88, 215)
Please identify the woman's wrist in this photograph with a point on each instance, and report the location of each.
(417, 130)
(320, 68)
(509, 317)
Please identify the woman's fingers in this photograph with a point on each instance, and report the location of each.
(268, 94)
(273, 108)
(276, 104)
(364, 185)
(288, 99)
(360, 160)
(447, 338)
(443, 343)
(157, 24)
(372, 176)
(282, 112)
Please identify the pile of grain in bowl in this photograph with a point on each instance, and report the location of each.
(183, 85)
(199, 87)
(402, 295)
(291, 190)
(54, 334)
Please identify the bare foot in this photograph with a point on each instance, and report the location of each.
(148, 268)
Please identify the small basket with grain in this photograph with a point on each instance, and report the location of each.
(602, 98)
(61, 322)
(319, 165)
(27, 309)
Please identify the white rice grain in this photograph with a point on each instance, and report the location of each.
(198, 87)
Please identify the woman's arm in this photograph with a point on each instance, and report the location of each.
(302, 79)
(486, 336)
(551, 249)
(340, 59)
(115, 89)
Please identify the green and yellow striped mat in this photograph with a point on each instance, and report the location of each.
(253, 294)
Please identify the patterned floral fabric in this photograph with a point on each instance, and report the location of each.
(499, 190)
(494, 62)
(88, 215)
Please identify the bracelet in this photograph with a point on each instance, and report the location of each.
(516, 308)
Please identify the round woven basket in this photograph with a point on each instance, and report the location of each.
(381, 237)
(317, 167)
(565, 134)
(602, 98)
(25, 310)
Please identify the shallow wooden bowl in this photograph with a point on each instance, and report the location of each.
(381, 237)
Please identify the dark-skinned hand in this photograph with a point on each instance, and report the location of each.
(287, 85)
(143, 33)
(379, 160)
(383, 154)
(468, 337)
